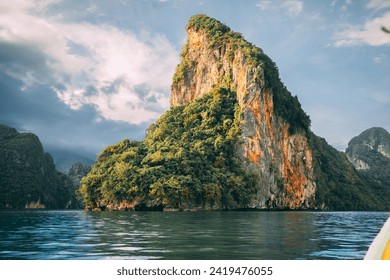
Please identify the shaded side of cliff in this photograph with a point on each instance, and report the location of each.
(28, 178)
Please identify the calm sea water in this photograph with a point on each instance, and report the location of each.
(187, 235)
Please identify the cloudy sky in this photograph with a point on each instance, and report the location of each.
(86, 74)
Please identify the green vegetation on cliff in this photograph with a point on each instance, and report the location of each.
(187, 160)
(28, 178)
(339, 185)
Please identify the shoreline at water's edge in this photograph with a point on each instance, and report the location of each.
(198, 210)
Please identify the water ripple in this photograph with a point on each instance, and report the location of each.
(190, 235)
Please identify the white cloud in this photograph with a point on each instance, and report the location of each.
(368, 34)
(379, 58)
(293, 7)
(124, 76)
(380, 97)
(333, 4)
(93, 9)
(264, 4)
(378, 4)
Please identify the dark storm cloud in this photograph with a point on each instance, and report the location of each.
(39, 111)
(17, 105)
(23, 61)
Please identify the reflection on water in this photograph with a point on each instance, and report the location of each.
(187, 235)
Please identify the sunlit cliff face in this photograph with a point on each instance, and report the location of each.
(283, 160)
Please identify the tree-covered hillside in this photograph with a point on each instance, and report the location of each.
(28, 178)
(339, 185)
(186, 161)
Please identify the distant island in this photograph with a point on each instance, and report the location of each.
(370, 154)
(28, 177)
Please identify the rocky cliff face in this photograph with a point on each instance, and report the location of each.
(371, 142)
(77, 172)
(28, 178)
(281, 156)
